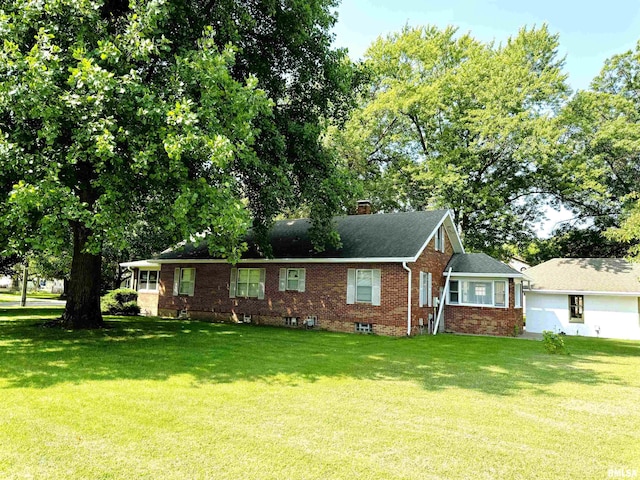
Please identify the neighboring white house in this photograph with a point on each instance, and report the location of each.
(595, 297)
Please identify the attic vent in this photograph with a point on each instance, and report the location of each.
(246, 318)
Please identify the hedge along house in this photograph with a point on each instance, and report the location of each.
(391, 276)
(595, 297)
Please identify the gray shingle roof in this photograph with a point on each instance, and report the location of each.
(479, 263)
(586, 275)
(391, 235)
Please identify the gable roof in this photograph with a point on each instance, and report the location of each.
(390, 237)
(615, 275)
(480, 264)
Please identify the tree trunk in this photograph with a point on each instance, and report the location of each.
(83, 298)
(65, 288)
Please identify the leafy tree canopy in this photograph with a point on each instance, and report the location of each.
(116, 113)
(449, 121)
(599, 177)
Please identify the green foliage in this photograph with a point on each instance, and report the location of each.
(118, 117)
(599, 177)
(629, 230)
(122, 301)
(448, 121)
(100, 126)
(553, 342)
(574, 242)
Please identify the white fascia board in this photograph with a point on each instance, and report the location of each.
(582, 292)
(147, 264)
(292, 260)
(454, 275)
(457, 243)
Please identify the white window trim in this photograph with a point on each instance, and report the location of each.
(517, 296)
(148, 290)
(439, 242)
(426, 287)
(460, 303)
(177, 282)
(376, 286)
(283, 285)
(235, 277)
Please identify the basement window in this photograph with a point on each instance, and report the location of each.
(364, 327)
(291, 321)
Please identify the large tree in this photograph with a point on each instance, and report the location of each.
(452, 122)
(117, 113)
(599, 175)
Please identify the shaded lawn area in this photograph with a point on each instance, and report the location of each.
(152, 398)
(15, 296)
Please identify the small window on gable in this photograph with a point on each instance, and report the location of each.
(148, 280)
(439, 239)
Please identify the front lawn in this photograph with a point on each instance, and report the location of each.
(16, 296)
(162, 399)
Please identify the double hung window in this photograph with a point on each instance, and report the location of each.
(148, 280)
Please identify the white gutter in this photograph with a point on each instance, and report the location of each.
(404, 265)
(284, 260)
(582, 292)
(488, 275)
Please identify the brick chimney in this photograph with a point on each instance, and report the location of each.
(364, 207)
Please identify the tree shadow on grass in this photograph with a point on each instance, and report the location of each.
(157, 349)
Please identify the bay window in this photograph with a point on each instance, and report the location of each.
(489, 293)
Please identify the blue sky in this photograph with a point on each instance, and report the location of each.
(590, 31)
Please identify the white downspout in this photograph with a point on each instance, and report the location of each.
(442, 302)
(404, 265)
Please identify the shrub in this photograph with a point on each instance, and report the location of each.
(553, 342)
(122, 301)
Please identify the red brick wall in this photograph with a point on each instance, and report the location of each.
(434, 262)
(325, 296)
(485, 320)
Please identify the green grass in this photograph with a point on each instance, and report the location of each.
(150, 398)
(15, 296)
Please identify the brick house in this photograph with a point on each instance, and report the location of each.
(395, 274)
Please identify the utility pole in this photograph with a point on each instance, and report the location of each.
(25, 273)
